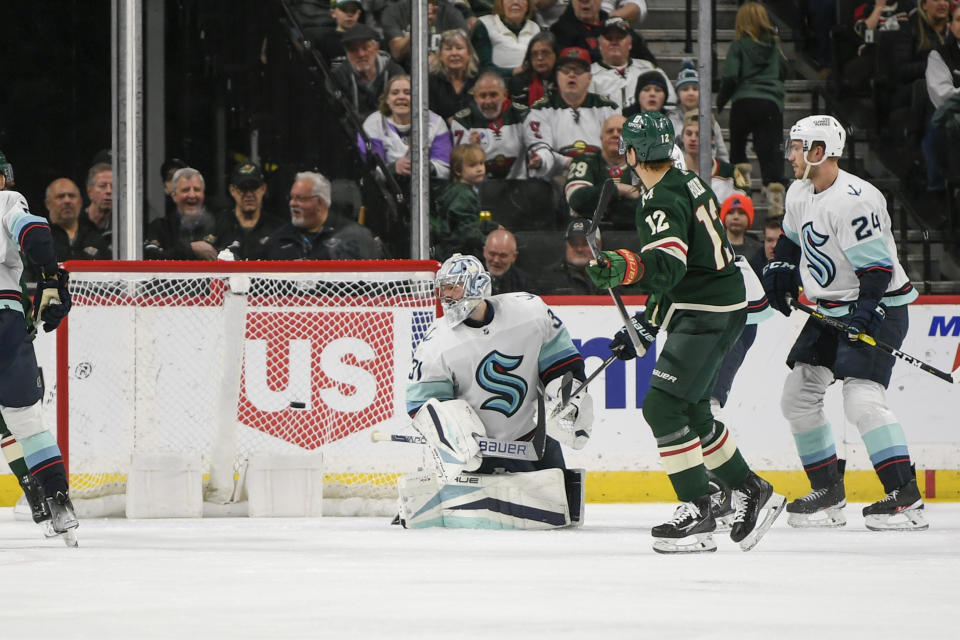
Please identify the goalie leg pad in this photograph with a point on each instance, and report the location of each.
(450, 427)
(532, 500)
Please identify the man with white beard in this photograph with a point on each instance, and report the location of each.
(313, 232)
(496, 124)
(188, 231)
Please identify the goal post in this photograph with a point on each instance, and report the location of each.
(229, 359)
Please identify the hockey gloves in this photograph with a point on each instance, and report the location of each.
(780, 280)
(51, 302)
(622, 346)
(867, 317)
(569, 424)
(615, 268)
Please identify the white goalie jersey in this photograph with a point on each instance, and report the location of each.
(842, 231)
(495, 367)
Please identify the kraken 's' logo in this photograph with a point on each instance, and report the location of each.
(819, 264)
(508, 390)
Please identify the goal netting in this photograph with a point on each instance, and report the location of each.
(227, 359)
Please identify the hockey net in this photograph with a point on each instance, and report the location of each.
(228, 359)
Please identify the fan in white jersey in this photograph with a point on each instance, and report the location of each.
(567, 123)
(493, 353)
(837, 243)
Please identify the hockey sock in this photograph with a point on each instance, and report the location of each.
(888, 452)
(12, 451)
(722, 457)
(678, 444)
(864, 403)
(818, 453)
(42, 456)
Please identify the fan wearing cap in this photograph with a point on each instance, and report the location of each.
(736, 214)
(243, 228)
(364, 76)
(568, 276)
(581, 24)
(615, 75)
(725, 177)
(688, 97)
(589, 171)
(326, 39)
(563, 125)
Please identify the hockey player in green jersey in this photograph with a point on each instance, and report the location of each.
(697, 296)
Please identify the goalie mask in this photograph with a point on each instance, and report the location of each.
(461, 273)
(812, 129)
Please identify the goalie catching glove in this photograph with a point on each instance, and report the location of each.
(622, 346)
(569, 424)
(451, 428)
(51, 302)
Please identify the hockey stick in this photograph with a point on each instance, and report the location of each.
(843, 328)
(380, 436)
(583, 385)
(593, 235)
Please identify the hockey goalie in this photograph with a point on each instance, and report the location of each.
(489, 391)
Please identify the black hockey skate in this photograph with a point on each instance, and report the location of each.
(821, 507)
(901, 510)
(721, 506)
(33, 493)
(756, 507)
(63, 520)
(688, 531)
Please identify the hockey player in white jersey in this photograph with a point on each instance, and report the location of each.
(473, 391)
(837, 243)
(21, 385)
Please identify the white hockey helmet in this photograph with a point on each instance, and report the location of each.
(819, 128)
(468, 273)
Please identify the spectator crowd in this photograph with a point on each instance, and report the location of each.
(526, 102)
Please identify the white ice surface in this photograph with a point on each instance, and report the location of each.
(361, 578)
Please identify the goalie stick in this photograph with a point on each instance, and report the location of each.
(842, 327)
(489, 447)
(593, 235)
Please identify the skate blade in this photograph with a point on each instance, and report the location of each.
(724, 524)
(772, 510)
(908, 520)
(697, 543)
(70, 538)
(826, 519)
